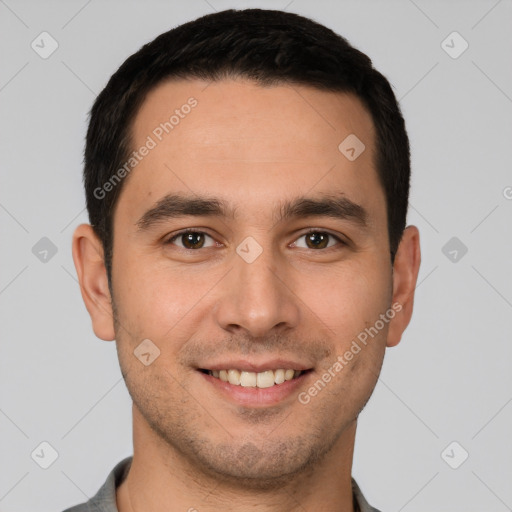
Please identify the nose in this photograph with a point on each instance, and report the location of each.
(257, 297)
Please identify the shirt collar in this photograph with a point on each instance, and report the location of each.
(105, 498)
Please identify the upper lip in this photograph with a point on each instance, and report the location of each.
(257, 367)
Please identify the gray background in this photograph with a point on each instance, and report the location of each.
(449, 380)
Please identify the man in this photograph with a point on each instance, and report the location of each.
(247, 179)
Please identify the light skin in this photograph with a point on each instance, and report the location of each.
(201, 303)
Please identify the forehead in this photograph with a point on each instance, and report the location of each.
(239, 140)
(305, 117)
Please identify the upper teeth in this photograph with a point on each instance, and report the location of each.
(264, 379)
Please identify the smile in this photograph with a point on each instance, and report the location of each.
(264, 379)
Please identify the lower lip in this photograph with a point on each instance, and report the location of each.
(253, 396)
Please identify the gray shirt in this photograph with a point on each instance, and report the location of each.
(105, 499)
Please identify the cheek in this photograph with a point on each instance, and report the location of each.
(154, 297)
(350, 297)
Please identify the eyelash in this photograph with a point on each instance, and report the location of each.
(310, 231)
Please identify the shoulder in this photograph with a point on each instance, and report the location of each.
(359, 498)
(105, 499)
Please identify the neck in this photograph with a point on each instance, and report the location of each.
(162, 479)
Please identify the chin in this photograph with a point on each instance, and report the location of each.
(264, 467)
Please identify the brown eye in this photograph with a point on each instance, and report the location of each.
(318, 240)
(190, 240)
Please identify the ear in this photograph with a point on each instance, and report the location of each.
(405, 274)
(92, 275)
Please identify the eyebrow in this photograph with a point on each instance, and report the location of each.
(177, 205)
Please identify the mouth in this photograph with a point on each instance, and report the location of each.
(255, 383)
(263, 379)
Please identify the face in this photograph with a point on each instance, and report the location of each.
(285, 265)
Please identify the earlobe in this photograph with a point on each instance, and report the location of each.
(92, 277)
(405, 275)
